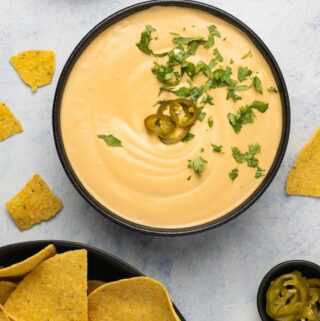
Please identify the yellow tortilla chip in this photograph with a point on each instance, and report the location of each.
(33, 204)
(3, 314)
(35, 67)
(55, 290)
(304, 178)
(134, 299)
(9, 124)
(24, 267)
(94, 284)
(6, 288)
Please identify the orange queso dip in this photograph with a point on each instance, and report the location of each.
(112, 89)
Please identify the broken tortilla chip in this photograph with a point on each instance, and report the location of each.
(54, 290)
(35, 67)
(6, 288)
(24, 267)
(9, 124)
(134, 299)
(33, 204)
(304, 178)
(94, 284)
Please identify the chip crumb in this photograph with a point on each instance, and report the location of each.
(33, 204)
(304, 178)
(35, 67)
(9, 124)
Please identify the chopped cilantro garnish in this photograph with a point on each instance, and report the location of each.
(273, 90)
(259, 172)
(110, 140)
(145, 39)
(197, 164)
(217, 54)
(189, 177)
(233, 174)
(201, 114)
(232, 89)
(256, 82)
(210, 122)
(207, 100)
(166, 74)
(204, 68)
(231, 61)
(189, 137)
(213, 32)
(249, 157)
(247, 55)
(245, 115)
(188, 68)
(216, 148)
(243, 73)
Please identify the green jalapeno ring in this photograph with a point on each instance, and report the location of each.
(161, 125)
(176, 137)
(189, 109)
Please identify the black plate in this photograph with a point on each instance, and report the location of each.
(101, 265)
(307, 269)
(83, 45)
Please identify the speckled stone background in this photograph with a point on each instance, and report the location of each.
(211, 276)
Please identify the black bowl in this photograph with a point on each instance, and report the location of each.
(101, 265)
(307, 269)
(119, 16)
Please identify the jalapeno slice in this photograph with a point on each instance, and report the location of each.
(183, 112)
(287, 296)
(177, 136)
(161, 125)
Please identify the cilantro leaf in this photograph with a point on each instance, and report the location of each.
(232, 89)
(243, 73)
(217, 54)
(243, 116)
(259, 172)
(249, 157)
(204, 68)
(260, 106)
(207, 100)
(213, 32)
(201, 114)
(273, 90)
(110, 140)
(210, 122)
(188, 68)
(197, 164)
(256, 82)
(189, 137)
(166, 74)
(233, 174)
(247, 55)
(216, 148)
(145, 39)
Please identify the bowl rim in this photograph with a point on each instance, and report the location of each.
(82, 45)
(269, 277)
(72, 245)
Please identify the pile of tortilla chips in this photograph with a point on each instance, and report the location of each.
(55, 287)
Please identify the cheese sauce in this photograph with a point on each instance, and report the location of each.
(111, 90)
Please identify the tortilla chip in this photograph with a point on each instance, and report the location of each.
(6, 288)
(304, 178)
(3, 314)
(94, 284)
(35, 67)
(24, 267)
(134, 299)
(9, 124)
(33, 204)
(55, 290)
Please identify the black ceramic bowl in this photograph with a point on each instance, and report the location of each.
(121, 15)
(101, 265)
(307, 269)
